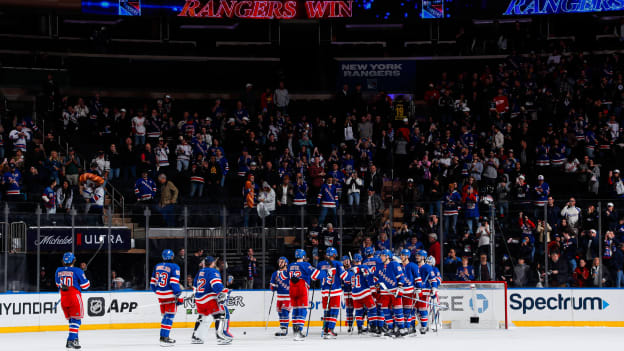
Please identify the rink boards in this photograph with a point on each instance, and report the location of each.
(23, 312)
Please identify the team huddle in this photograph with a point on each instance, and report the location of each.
(390, 295)
(386, 292)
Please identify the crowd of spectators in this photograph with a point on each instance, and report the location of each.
(514, 140)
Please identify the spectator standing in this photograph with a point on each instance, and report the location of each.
(328, 200)
(521, 273)
(374, 208)
(184, 152)
(64, 197)
(49, 197)
(581, 275)
(168, 199)
(72, 167)
(618, 266)
(282, 99)
(559, 272)
(138, 128)
(114, 159)
(249, 262)
(483, 269)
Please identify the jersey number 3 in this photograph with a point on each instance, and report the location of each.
(163, 279)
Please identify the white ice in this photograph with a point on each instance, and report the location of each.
(514, 339)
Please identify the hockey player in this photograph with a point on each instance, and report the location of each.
(359, 279)
(210, 298)
(373, 262)
(347, 294)
(281, 286)
(411, 290)
(391, 279)
(428, 281)
(331, 290)
(300, 274)
(71, 281)
(165, 283)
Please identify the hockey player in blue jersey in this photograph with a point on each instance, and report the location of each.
(331, 290)
(428, 281)
(280, 284)
(372, 261)
(71, 281)
(210, 298)
(165, 283)
(390, 278)
(300, 274)
(347, 295)
(411, 291)
(358, 278)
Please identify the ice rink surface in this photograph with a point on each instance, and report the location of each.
(520, 339)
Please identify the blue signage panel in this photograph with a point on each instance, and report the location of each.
(546, 7)
(87, 238)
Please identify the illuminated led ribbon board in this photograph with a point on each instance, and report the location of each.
(549, 7)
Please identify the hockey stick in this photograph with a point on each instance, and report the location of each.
(266, 325)
(310, 313)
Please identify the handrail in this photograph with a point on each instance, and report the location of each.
(119, 201)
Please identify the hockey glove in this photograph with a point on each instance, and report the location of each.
(179, 301)
(64, 287)
(294, 279)
(222, 297)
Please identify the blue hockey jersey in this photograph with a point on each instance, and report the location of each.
(280, 283)
(358, 280)
(412, 275)
(207, 285)
(12, 181)
(331, 283)
(389, 276)
(302, 270)
(428, 276)
(328, 197)
(73, 277)
(165, 280)
(300, 198)
(144, 189)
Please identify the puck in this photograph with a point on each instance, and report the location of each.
(244, 333)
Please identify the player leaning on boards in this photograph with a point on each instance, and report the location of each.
(165, 283)
(71, 281)
(210, 298)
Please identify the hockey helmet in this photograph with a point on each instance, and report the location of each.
(331, 252)
(299, 253)
(167, 255)
(68, 258)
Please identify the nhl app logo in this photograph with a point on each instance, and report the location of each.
(95, 306)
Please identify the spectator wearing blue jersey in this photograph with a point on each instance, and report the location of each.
(465, 272)
(49, 197)
(618, 266)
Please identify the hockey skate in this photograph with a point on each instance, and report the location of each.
(297, 331)
(402, 332)
(73, 345)
(329, 334)
(166, 341)
(412, 331)
(423, 330)
(350, 330)
(196, 340)
(361, 331)
(282, 332)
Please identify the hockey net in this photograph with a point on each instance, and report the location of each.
(472, 305)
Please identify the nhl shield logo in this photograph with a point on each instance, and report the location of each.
(95, 306)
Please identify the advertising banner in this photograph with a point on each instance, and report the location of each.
(386, 75)
(87, 238)
(139, 309)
